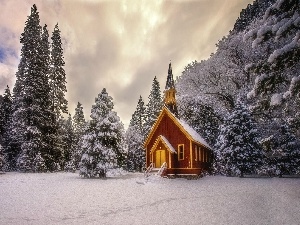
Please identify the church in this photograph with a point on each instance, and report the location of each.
(172, 143)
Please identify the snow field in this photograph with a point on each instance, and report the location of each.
(65, 198)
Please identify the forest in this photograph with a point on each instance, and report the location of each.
(243, 100)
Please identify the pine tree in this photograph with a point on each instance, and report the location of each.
(138, 117)
(5, 113)
(27, 117)
(154, 105)
(39, 164)
(237, 150)
(58, 76)
(57, 80)
(5, 118)
(47, 125)
(104, 140)
(2, 159)
(276, 37)
(135, 136)
(286, 152)
(79, 130)
(65, 143)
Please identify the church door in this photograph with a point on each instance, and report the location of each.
(160, 158)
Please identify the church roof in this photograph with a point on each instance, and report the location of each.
(183, 126)
(193, 133)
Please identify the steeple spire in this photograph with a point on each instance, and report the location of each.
(170, 80)
(169, 100)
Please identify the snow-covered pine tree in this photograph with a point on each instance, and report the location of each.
(104, 139)
(154, 105)
(2, 159)
(201, 117)
(135, 136)
(286, 152)
(47, 126)
(57, 93)
(29, 95)
(5, 117)
(252, 12)
(237, 150)
(39, 164)
(58, 75)
(79, 121)
(5, 113)
(276, 36)
(66, 141)
(80, 125)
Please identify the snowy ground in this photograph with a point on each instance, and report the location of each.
(65, 198)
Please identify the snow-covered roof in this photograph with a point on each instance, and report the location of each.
(165, 140)
(193, 133)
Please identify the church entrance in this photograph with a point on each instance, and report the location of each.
(160, 158)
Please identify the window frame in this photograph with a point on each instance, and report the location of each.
(179, 152)
(200, 154)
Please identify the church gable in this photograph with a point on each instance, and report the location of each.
(162, 141)
(166, 125)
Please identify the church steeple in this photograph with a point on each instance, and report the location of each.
(170, 80)
(170, 100)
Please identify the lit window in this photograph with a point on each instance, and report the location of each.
(196, 152)
(180, 152)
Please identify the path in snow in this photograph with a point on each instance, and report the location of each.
(65, 198)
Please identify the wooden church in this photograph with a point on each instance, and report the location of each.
(173, 144)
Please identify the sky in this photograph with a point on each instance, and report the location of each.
(120, 45)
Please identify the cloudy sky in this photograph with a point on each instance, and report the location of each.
(120, 44)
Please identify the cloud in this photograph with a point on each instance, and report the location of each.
(120, 45)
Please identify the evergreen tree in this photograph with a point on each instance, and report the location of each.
(5, 113)
(138, 117)
(27, 117)
(57, 80)
(154, 105)
(286, 152)
(5, 117)
(251, 13)
(276, 84)
(79, 130)
(2, 159)
(58, 76)
(39, 164)
(66, 140)
(47, 127)
(104, 141)
(237, 150)
(135, 136)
